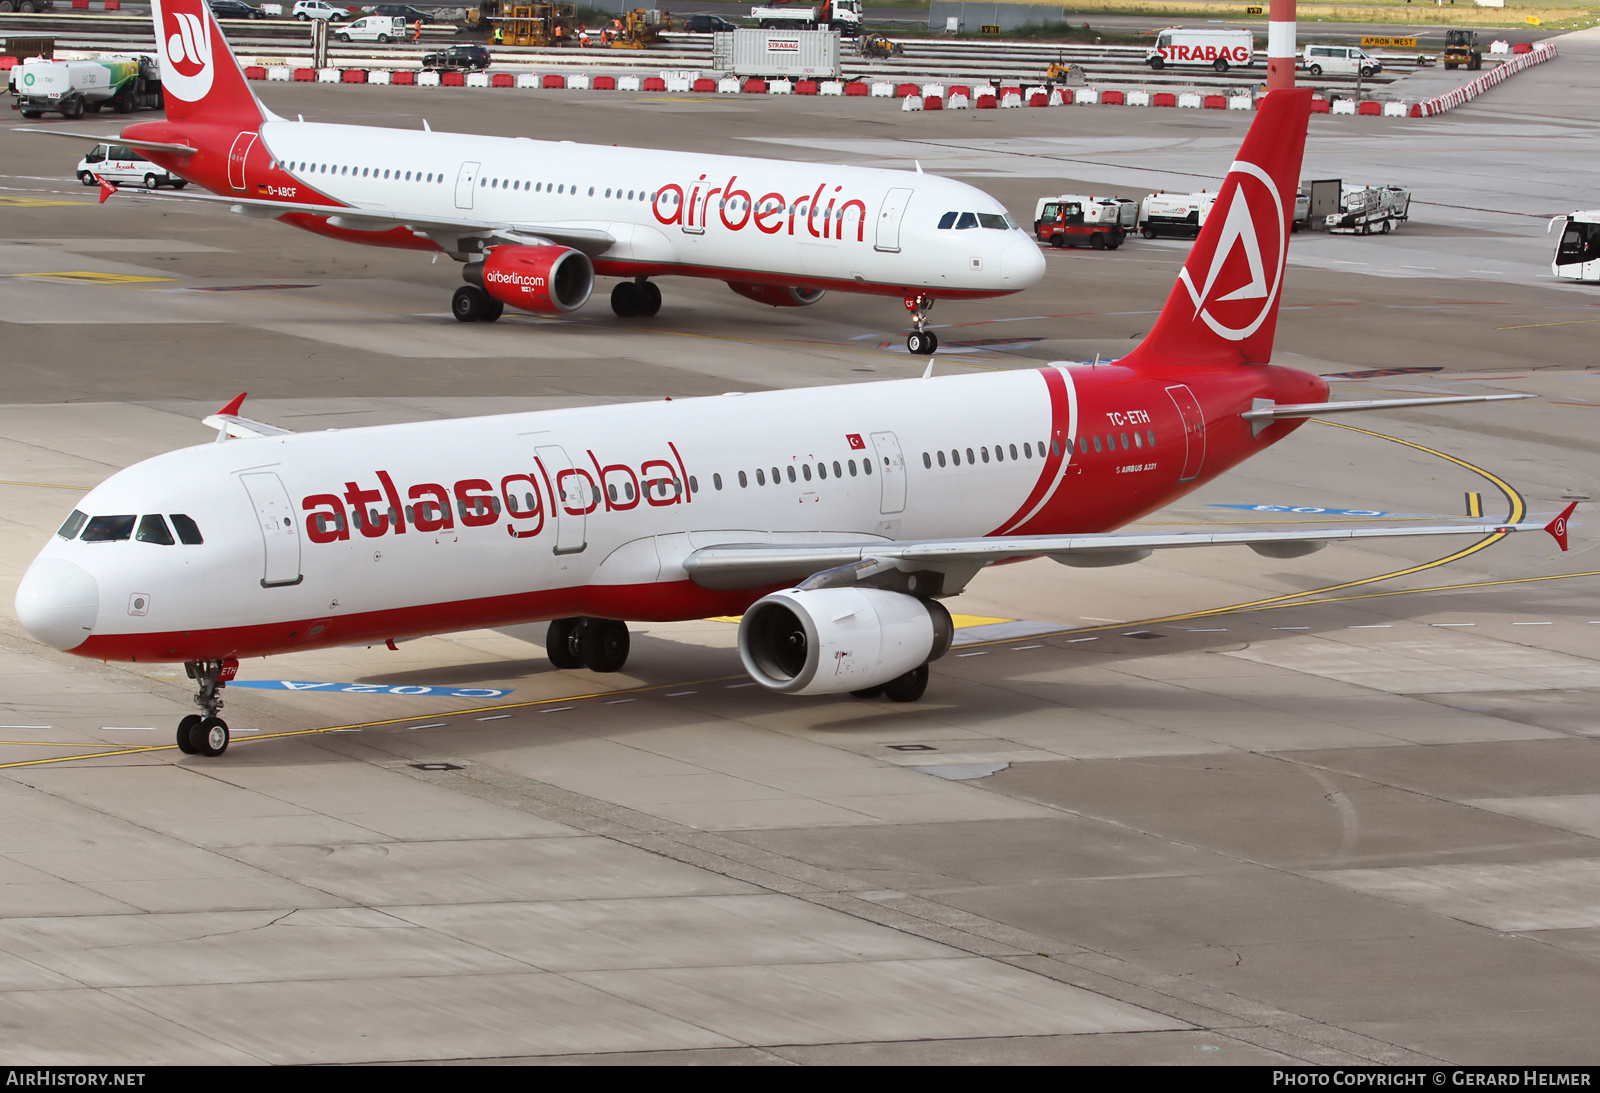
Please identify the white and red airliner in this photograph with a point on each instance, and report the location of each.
(534, 221)
(832, 518)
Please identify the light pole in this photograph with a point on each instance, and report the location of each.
(1280, 45)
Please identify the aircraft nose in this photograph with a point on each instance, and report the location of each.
(57, 602)
(1021, 264)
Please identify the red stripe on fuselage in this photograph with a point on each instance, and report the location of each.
(1060, 419)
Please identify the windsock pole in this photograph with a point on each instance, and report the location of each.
(1280, 45)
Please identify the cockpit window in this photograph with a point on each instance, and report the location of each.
(108, 529)
(1000, 221)
(188, 531)
(153, 529)
(995, 220)
(74, 524)
(948, 220)
(968, 220)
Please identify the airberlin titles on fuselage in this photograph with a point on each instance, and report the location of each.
(476, 502)
(767, 212)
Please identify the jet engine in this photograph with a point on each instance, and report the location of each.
(778, 295)
(547, 280)
(832, 640)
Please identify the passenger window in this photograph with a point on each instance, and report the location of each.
(73, 525)
(153, 529)
(866, 466)
(805, 469)
(1013, 451)
(744, 483)
(791, 472)
(927, 460)
(1124, 441)
(999, 454)
(852, 464)
(1097, 443)
(836, 472)
(108, 529)
(968, 220)
(716, 480)
(970, 459)
(948, 220)
(776, 477)
(188, 531)
(985, 453)
(761, 479)
(955, 456)
(1027, 450)
(694, 484)
(1138, 441)
(1068, 444)
(1151, 436)
(941, 458)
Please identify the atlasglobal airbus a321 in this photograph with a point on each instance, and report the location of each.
(534, 221)
(833, 518)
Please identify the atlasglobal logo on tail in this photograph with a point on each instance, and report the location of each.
(1238, 296)
(184, 42)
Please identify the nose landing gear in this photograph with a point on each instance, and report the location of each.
(207, 734)
(920, 342)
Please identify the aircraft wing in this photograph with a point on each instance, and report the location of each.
(811, 565)
(590, 241)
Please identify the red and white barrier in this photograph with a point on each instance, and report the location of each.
(913, 97)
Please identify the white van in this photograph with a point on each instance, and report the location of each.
(1340, 61)
(374, 28)
(1218, 49)
(116, 163)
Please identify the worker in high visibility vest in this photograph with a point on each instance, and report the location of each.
(417, 37)
(583, 35)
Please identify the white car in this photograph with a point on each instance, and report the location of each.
(116, 163)
(306, 10)
(1341, 61)
(374, 28)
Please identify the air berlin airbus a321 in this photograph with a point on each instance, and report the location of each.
(832, 518)
(534, 221)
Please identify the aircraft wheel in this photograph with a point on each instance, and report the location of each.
(471, 304)
(185, 727)
(605, 645)
(561, 643)
(650, 299)
(922, 343)
(625, 300)
(909, 687)
(210, 737)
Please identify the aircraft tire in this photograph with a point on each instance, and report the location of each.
(625, 300)
(561, 643)
(922, 343)
(650, 299)
(909, 687)
(185, 727)
(210, 737)
(471, 304)
(605, 644)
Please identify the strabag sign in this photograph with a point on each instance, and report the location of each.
(783, 45)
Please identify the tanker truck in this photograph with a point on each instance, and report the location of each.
(70, 87)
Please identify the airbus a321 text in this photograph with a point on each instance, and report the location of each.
(833, 518)
(534, 221)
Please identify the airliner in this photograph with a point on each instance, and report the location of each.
(833, 519)
(533, 222)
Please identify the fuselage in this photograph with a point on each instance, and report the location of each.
(733, 218)
(365, 535)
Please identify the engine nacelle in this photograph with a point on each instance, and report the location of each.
(832, 640)
(548, 280)
(778, 295)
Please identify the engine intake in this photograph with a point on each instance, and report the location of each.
(833, 640)
(778, 295)
(548, 280)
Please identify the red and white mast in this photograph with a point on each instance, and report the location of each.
(1280, 45)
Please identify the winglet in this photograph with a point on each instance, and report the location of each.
(1558, 527)
(106, 189)
(232, 409)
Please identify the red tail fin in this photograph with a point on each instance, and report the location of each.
(1224, 308)
(200, 79)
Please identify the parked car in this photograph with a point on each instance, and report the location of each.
(115, 163)
(458, 57)
(707, 24)
(403, 11)
(374, 28)
(307, 10)
(235, 9)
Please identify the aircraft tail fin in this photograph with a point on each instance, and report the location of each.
(200, 78)
(1224, 308)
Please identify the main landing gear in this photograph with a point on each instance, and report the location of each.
(906, 688)
(206, 734)
(921, 342)
(471, 304)
(600, 645)
(636, 299)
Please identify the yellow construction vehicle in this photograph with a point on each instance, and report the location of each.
(536, 24)
(638, 30)
(878, 46)
(1058, 72)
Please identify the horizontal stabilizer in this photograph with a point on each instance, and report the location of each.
(228, 423)
(1264, 412)
(97, 138)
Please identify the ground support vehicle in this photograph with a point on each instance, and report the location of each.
(533, 24)
(641, 28)
(1217, 49)
(1578, 250)
(1341, 61)
(1077, 220)
(374, 28)
(1461, 49)
(841, 15)
(69, 88)
(1181, 215)
(117, 163)
(1364, 210)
